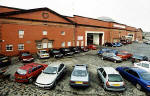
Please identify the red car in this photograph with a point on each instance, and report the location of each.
(25, 56)
(93, 47)
(124, 55)
(28, 72)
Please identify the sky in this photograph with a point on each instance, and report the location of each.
(135, 13)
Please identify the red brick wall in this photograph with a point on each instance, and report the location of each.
(2, 9)
(32, 33)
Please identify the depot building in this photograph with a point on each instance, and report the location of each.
(43, 28)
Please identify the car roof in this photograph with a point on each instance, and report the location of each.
(80, 66)
(110, 70)
(28, 66)
(136, 69)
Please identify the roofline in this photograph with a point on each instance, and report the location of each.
(34, 10)
(11, 7)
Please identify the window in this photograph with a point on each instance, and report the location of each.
(77, 43)
(82, 43)
(101, 70)
(20, 46)
(44, 32)
(69, 44)
(44, 45)
(104, 74)
(145, 65)
(62, 33)
(21, 33)
(9, 47)
(63, 44)
(50, 45)
(39, 46)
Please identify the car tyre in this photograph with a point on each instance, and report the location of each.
(138, 86)
(31, 80)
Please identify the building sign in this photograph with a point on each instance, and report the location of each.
(80, 37)
(119, 26)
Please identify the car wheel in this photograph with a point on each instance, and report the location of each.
(138, 86)
(115, 61)
(30, 80)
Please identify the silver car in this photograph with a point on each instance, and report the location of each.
(110, 79)
(43, 54)
(80, 76)
(47, 79)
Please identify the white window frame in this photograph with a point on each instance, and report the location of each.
(39, 45)
(62, 32)
(44, 32)
(20, 46)
(82, 43)
(78, 43)
(69, 44)
(44, 45)
(21, 33)
(50, 45)
(9, 45)
(63, 44)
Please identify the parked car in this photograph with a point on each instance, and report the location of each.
(4, 61)
(80, 76)
(116, 44)
(111, 79)
(124, 42)
(83, 49)
(111, 57)
(101, 51)
(56, 53)
(137, 76)
(74, 49)
(47, 79)
(138, 58)
(25, 56)
(66, 51)
(108, 44)
(143, 65)
(43, 54)
(92, 47)
(124, 55)
(28, 72)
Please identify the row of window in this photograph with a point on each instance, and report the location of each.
(21, 33)
(42, 45)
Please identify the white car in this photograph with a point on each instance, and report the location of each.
(47, 79)
(143, 65)
(111, 79)
(43, 54)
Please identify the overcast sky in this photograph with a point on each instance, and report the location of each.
(134, 13)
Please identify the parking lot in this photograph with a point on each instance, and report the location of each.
(8, 87)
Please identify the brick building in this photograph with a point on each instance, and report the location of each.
(42, 28)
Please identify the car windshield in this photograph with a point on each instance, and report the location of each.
(50, 70)
(25, 54)
(121, 53)
(137, 56)
(114, 78)
(21, 71)
(43, 52)
(145, 75)
(81, 73)
(56, 51)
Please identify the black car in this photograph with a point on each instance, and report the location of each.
(66, 51)
(74, 49)
(4, 61)
(138, 58)
(108, 44)
(56, 53)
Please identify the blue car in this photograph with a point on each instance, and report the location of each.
(139, 77)
(100, 52)
(117, 44)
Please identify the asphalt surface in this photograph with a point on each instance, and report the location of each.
(8, 87)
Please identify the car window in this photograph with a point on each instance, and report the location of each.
(21, 71)
(61, 66)
(50, 70)
(114, 78)
(145, 76)
(30, 71)
(101, 70)
(81, 73)
(39, 66)
(145, 65)
(34, 69)
(104, 74)
(133, 73)
(139, 64)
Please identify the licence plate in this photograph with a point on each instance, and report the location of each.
(116, 84)
(79, 82)
(4, 60)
